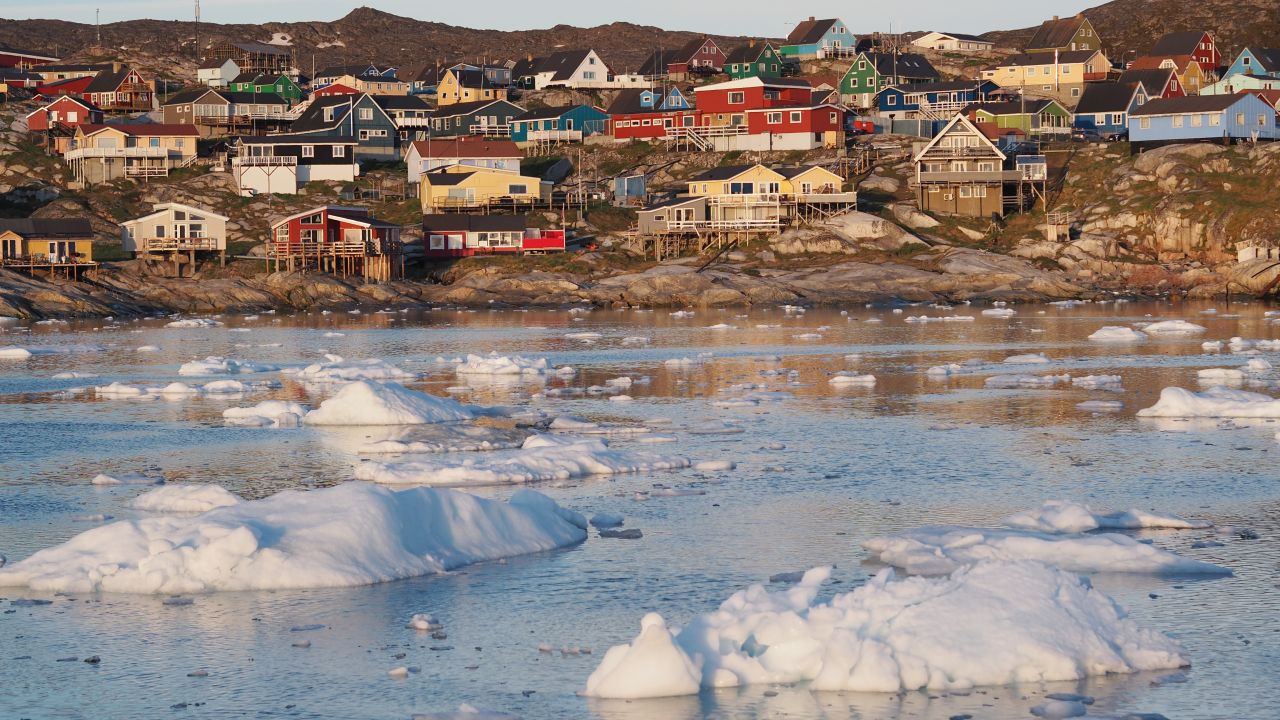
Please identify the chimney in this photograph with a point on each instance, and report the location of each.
(116, 65)
(1055, 18)
(751, 43)
(812, 18)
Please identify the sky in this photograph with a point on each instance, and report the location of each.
(766, 18)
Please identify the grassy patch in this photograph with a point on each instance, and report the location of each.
(609, 218)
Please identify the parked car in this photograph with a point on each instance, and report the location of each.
(1117, 136)
(1086, 135)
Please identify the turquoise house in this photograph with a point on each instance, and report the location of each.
(1256, 61)
(814, 39)
(571, 123)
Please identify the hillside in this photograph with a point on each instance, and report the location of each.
(363, 35)
(1133, 25)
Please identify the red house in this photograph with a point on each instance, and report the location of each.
(14, 58)
(699, 54)
(335, 89)
(644, 114)
(71, 86)
(781, 119)
(1199, 44)
(453, 235)
(752, 93)
(341, 240)
(64, 111)
(120, 88)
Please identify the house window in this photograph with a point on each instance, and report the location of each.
(980, 191)
(1031, 71)
(366, 113)
(517, 189)
(891, 100)
(795, 116)
(308, 151)
(1117, 118)
(339, 151)
(589, 75)
(1262, 121)
(1197, 120)
(1215, 120)
(1075, 92)
(328, 114)
(853, 82)
(1066, 69)
(437, 242)
(966, 191)
(737, 98)
(1144, 123)
(282, 234)
(773, 118)
(986, 167)
(1239, 118)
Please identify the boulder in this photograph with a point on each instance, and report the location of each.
(880, 183)
(913, 218)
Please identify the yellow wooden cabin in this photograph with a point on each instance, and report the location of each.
(460, 85)
(60, 246)
(464, 187)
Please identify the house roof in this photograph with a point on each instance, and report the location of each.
(470, 78)
(444, 179)
(1188, 104)
(1107, 97)
(656, 63)
(473, 223)
(47, 227)
(1056, 33)
(297, 139)
(187, 96)
(810, 31)
(72, 67)
(962, 36)
(674, 202)
(254, 46)
(467, 147)
(313, 117)
(69, 83)
(564, 63)
(755, 82)
(1064, 57)
(901, 64)
(5, 49)
(260, 98)
(66, 98)
(468, 108)
(1150, 62)
(108, 80)
(216, 63)
(162, 208)
(724, 172)
(1153, 80)
(331, 209)
(425, 73)
(402, 102)
(1268, 57)
(1178, 43)
(1272, 97)
(627, 102)
(1009, 107)
(358, 219)
(547, 113)
(746, 53)
(144, 129)
(959, 119)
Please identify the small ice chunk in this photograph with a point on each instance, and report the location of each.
(607, 520)
(1117, 334)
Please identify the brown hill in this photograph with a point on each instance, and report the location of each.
(1130, 27)
(364, 35)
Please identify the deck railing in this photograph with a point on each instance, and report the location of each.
(178, 244)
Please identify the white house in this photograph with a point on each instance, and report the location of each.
(217, 73)
(280, 164)
(952, 42)
(572, 69)
(470, 150)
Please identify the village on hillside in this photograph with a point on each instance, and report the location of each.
(378, 173)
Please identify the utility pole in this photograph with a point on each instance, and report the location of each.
(196, 49)
(97, 25)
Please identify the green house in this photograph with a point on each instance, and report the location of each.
(259, 83)
(872, 72)
(1032, 117)
(753, 60)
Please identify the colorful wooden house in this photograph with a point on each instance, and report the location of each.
(358, 116)
(217, 73)
(487, 117)
(69, 71)
(697, 55)
(453, 235)
(459, 187)
(282, 85)
(424, 79)
(219, 112)
(559, 124)
(816, 39)
(1256, 61)
(872, 72)
(15, 58)
(1064, 35)
(62, 246)
(121, 89)
(425, 156)
(1232, 84)
(961, 172)
(57, 120)
(637, 114)
(410, 113)
(346, 241)
(1197, 44)
(175, 235)
(1190, 76)
(334, 90)
(567, 68)
(1105, 107)
(935, 100)
(335, 73)
(280, 164)
(1031, 117)
(753, 60)
(467, 85)
(1057, 74)
(1156, 82)
(102, 153)
(952, 42)
(72, 87)
(1202, 118)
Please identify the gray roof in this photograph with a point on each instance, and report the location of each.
(1178, 43)
(461, 222)
(1107, 97)
(297, 139)
(1189, 104)
(910, 65)
(1056, 33)
(48, 227)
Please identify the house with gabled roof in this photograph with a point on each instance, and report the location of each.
(952, 42)
(54, 72)
(1156, 82)
(697, 55)
(102, 153)
(358, 116)
(1105, 107)
(280, 164)
(174, 235)
(642, 114)
(1202, 118)
(961, 172)
(1058, 74)
(1255, 61)
(217, 73)
(56, 121)
(460, 188)
(219, 112)
(61, 247)
(1064, 35)
(121, 88)
(1198, 44)
(753, 60)
(871, 72)
(817, 39)
(252, 56)
(1233, 84)
(465, 85)
(424, 156)
(559, 124)
(1190, 76)
(335, 73)
(491, 118)
(1031, 117)
(410, 113)
(571, 69)
(932, 100)
(451, 235)
(346, 241)
(278, 84)
(14, 58)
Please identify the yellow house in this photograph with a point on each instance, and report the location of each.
(461, 85)
(464, 186)
(102, 153)
(1058, 75)
(760, 180)
(51, 244)
(374, 84)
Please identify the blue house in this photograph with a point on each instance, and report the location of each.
(939, 100)
(814, 39)
(555, 124)
(1210, 118)
(1106, 107)
(358, 116)
(1256, 61)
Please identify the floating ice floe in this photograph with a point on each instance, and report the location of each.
(1064, 516)
(1173, 327)
(74, 376)
(1098, 382)
(14, 353)
(1027, 359)
(1026, 381)
(944, 370)
(808, 336)
(851, 378)
(351, 534)
(131, 478)
(184, 498)
(435, 439)
(213, 365)
(1220, 375)
(941, 318)
(371, 403)
(936, 550)
(1117, 334)
(465, 712)
(336, 369)
(180, 391)
(1212, 346)
(1216, 402)
(1100, 406)
(147, 349)
(493, 364)
(1001, 312)
(586, 335)
(541, 458)
(194, 323)
(607, 520)
(279, 413)
(994, 623)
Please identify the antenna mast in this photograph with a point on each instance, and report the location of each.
(97, 25)
(196, 49)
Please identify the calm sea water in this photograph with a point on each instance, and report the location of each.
(912, 450)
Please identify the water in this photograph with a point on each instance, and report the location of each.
(857, 462)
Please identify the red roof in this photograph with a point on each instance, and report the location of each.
(145, 129)
(1270, 97)
(1151, 62)
(336, 89)
(467, 147)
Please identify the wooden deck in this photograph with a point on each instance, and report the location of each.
(343, 258)
(31, 264)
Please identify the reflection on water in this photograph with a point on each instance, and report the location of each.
(818, 471)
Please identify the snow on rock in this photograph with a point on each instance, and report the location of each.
(1064, 516)
(132, 478)
(1173, 327)
(1214, 402)
(280, 413)
(994, 623)
(194, 323)
(1114, 333)
(939, 549)
(494, 364)
(1027, 359)
(214, 365)
(540, 458)
(14, 353)
(852, 378)
(337, 369)
(185, 498)
(347, 535)
(372, 403)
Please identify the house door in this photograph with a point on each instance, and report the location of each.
(61, 250)
(9, 247)
(179, 231)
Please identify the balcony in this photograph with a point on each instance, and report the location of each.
(117, 152)
(742, 200)
(264, 161)
(942, 151)
(554, 135)
(175, 244)
(828, 197)
(963, 177)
